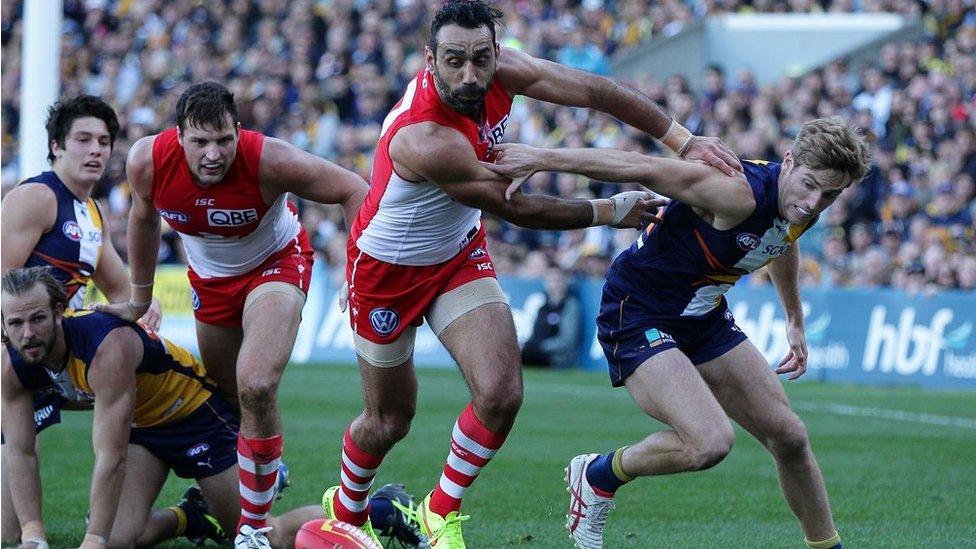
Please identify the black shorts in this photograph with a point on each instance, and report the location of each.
(200, 445)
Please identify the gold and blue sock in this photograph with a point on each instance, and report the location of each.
(606, 473)
(832, 542)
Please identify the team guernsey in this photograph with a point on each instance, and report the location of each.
(234, 241)
(411, 241)
(668, 288)
(177, 414)
(73, 245)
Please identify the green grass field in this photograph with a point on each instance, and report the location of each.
(895, 480)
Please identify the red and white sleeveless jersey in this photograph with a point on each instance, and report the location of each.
(416, 223)
(227, 229)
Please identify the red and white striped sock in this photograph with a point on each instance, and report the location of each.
(351, 500)
(472, 447)
(258, 459)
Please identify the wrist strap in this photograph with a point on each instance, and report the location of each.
(40, 542)
(92, 538)
(677, 138)
(142, 286)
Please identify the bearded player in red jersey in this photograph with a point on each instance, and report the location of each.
(418, 250)
(225, 191)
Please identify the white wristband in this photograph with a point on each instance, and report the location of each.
(40, 542)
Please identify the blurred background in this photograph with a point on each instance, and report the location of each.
(323, 74)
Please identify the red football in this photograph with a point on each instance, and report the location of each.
(332, 534)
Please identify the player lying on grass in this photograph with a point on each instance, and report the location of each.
(155, 411)
(665, 326)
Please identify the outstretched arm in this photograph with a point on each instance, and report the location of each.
(19, 452)
(112, 377)
(784, 271)
(431, 152)
(692, 183)
(547, 81)
(286, 168)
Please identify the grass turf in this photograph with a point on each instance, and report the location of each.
(893, 482)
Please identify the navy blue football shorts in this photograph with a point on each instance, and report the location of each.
(200, 445)
(630, 333)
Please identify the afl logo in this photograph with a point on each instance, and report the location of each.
(198, 449)
(171, 215)
(194, 299)
(384, 321)
(747, 241)
(72, 231)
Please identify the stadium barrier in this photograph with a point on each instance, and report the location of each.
(879, 337)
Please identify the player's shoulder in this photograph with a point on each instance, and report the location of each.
(428, 140)
(34, 201)
(86, 330)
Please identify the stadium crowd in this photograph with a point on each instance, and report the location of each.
(323, 74)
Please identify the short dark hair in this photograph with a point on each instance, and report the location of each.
(206, 104)
(469, 14)
(20, 281)
(62, 114)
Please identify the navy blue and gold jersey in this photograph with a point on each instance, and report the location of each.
(73, 245)
(170, 382)
(684, 266)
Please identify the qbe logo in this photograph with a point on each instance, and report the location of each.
(72, 231)
(198, 449)
(384, 320)
(747, 241)
(231, 218)
(194, 299)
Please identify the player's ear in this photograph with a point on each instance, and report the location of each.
(788, 162)
(429, 57)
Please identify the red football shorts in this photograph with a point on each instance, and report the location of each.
(385, 298)
(220, 300)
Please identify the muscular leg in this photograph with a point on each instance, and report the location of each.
(270, 326)
(389, 404)
(667, 388)
(135, 524)
(220, 492)
(753, 396)
(219, 348)
(272, 313)
(483, 342)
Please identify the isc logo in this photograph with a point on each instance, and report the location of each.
(231, 218)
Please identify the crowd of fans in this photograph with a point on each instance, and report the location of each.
(322, 75)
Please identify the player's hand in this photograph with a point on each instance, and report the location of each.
(153, 317)
(126, 310)
(796, 360)
(515, 161)
(712, 151)
(636, 209)
(344, 296)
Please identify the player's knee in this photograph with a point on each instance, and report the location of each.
(711, 446)
(499, 405)
(390, 426)
(257, 393)
(789, 439)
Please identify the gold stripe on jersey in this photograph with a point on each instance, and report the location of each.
(172, 391)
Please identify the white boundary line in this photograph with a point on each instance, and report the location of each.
(816, 407)
(886, 413)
